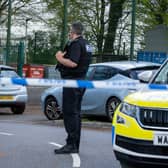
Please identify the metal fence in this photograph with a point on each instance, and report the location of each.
(13, 57)
(108, 58)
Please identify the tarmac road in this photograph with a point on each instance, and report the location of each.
(31, 145)
(28, 140)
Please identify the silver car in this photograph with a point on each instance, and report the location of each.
(98, 101)
(13, 96)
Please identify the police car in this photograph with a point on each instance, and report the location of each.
(140, 124)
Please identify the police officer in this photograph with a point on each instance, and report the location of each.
(73, 64)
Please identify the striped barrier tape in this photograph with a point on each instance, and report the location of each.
(80, 83)
(70, 83)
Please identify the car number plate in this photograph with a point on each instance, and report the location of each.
(160, 139)
(6, 97)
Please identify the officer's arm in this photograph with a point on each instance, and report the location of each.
(68, 63)
(65, 61)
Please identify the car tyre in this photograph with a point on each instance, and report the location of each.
(111, 105)
(18, 109)
(52, 109)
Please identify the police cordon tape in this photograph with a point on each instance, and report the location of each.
(119, 84)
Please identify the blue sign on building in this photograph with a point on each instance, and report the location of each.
(156, 57)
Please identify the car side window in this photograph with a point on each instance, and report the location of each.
(103, 73)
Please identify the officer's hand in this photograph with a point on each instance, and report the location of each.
(59, 55)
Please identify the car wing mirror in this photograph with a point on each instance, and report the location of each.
(145, 76)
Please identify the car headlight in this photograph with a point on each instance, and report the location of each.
(129, 109)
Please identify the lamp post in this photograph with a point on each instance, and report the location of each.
(124, 47)
(8, 33)
(132, 29)
(25, 59)
(64, 28)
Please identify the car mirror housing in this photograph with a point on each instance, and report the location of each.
(145, 76)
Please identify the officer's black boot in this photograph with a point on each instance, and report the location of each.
(68, 148)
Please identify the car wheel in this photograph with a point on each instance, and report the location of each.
(52, 110)
(111, 105)
(18, 109)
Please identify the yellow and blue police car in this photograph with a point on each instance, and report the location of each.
(140, 124)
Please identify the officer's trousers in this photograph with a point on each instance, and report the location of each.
(72, 98)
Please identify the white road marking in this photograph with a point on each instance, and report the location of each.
(76, 160)
(55, 144)
(5, 133)
(75, 156)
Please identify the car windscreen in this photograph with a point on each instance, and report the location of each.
(162, 76)
(8, 74)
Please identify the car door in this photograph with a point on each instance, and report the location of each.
(93, 100)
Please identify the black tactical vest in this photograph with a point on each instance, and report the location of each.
(78, 72)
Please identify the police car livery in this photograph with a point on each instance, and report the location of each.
(140, 124)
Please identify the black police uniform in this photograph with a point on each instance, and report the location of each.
(79, 52)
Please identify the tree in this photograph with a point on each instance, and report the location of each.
(94, 15)
(17, 5)
(122, 34)
(115, 13)
(155, 11)
(3, 11)
(42, 48)
(148, 15)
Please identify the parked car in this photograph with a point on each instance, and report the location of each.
(140, 124)
(13, 96)
(98, 101)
